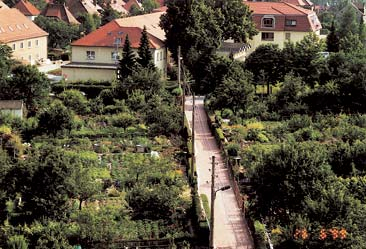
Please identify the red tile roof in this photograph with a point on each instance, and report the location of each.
(306, 20)
(59, 11)
(78, 7)
(14, 26)
(106, 36)
(27, 8)
(305, 3)
(130, 3)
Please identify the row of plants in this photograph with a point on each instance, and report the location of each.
(302, 178)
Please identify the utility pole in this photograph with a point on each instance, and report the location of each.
(193, 139)
(180, 85)
(213, 193)
(179, 66)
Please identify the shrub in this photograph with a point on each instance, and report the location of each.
(262, 138)
(17, 242)
(227, 113)
(233, 149)
(359, 120)
(123, 120)
(255, 126)
(298, 122)
(307, 134)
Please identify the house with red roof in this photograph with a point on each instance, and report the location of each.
(130, 3)
(28, 9)
(80, 7)
(59, 11)
(278, 22)
(96, 55)
(27, 40)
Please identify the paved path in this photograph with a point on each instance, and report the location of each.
(231, 230)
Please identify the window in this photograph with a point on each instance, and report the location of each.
(288, 36)
(90, 55)
(290, 22)
(161, 56)
(14, 46)
(37, 43)
(29, 44)
(21, 45)
(29, 57)
(267, 36)
(268, 22)
(115, 55)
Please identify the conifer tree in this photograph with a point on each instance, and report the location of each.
(128, 61)
(145, 56)
(332, 40)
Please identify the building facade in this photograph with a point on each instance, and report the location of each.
(279, 22)
(27, 40)
(96, 55)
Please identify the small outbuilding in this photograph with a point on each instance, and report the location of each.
(13, 107)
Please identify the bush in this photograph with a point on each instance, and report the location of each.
(298, 122)
(227, 113)
(75, 100)
(17, 242)
(307, 134)
(233, 149)
(123, 120)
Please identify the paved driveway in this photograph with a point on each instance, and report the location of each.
(231, 230)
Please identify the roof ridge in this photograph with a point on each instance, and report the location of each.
(278, 10)
(302, 10)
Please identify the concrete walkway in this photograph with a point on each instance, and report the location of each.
(231, 230)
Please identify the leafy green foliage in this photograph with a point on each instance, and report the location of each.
(128, 61)
(76, 101)
(266, 64)
(332, 40)
(60, 34)
(5, 62)
(55, 119)
(145, 56)
(236, 90)
(27, 84)
(238, 24)
(109, 14)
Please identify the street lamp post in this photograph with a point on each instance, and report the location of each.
(213, 196)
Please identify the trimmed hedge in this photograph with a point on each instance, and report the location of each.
(91, 88)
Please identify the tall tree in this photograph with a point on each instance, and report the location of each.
(266, 61)
(5, 62)
(149, 5)
(237, 24)
(128, 61)
(28, 84)
(56, 119)
(109, 14)
(351, 43)
(332, 40)
(87, 23)
(196, 27)
(60, 32)
(362, 31)
(145, 56)
(308, 62)
(348, 22)
(236, 90)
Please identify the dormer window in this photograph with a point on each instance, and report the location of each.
(268, 22)
(290, 22)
